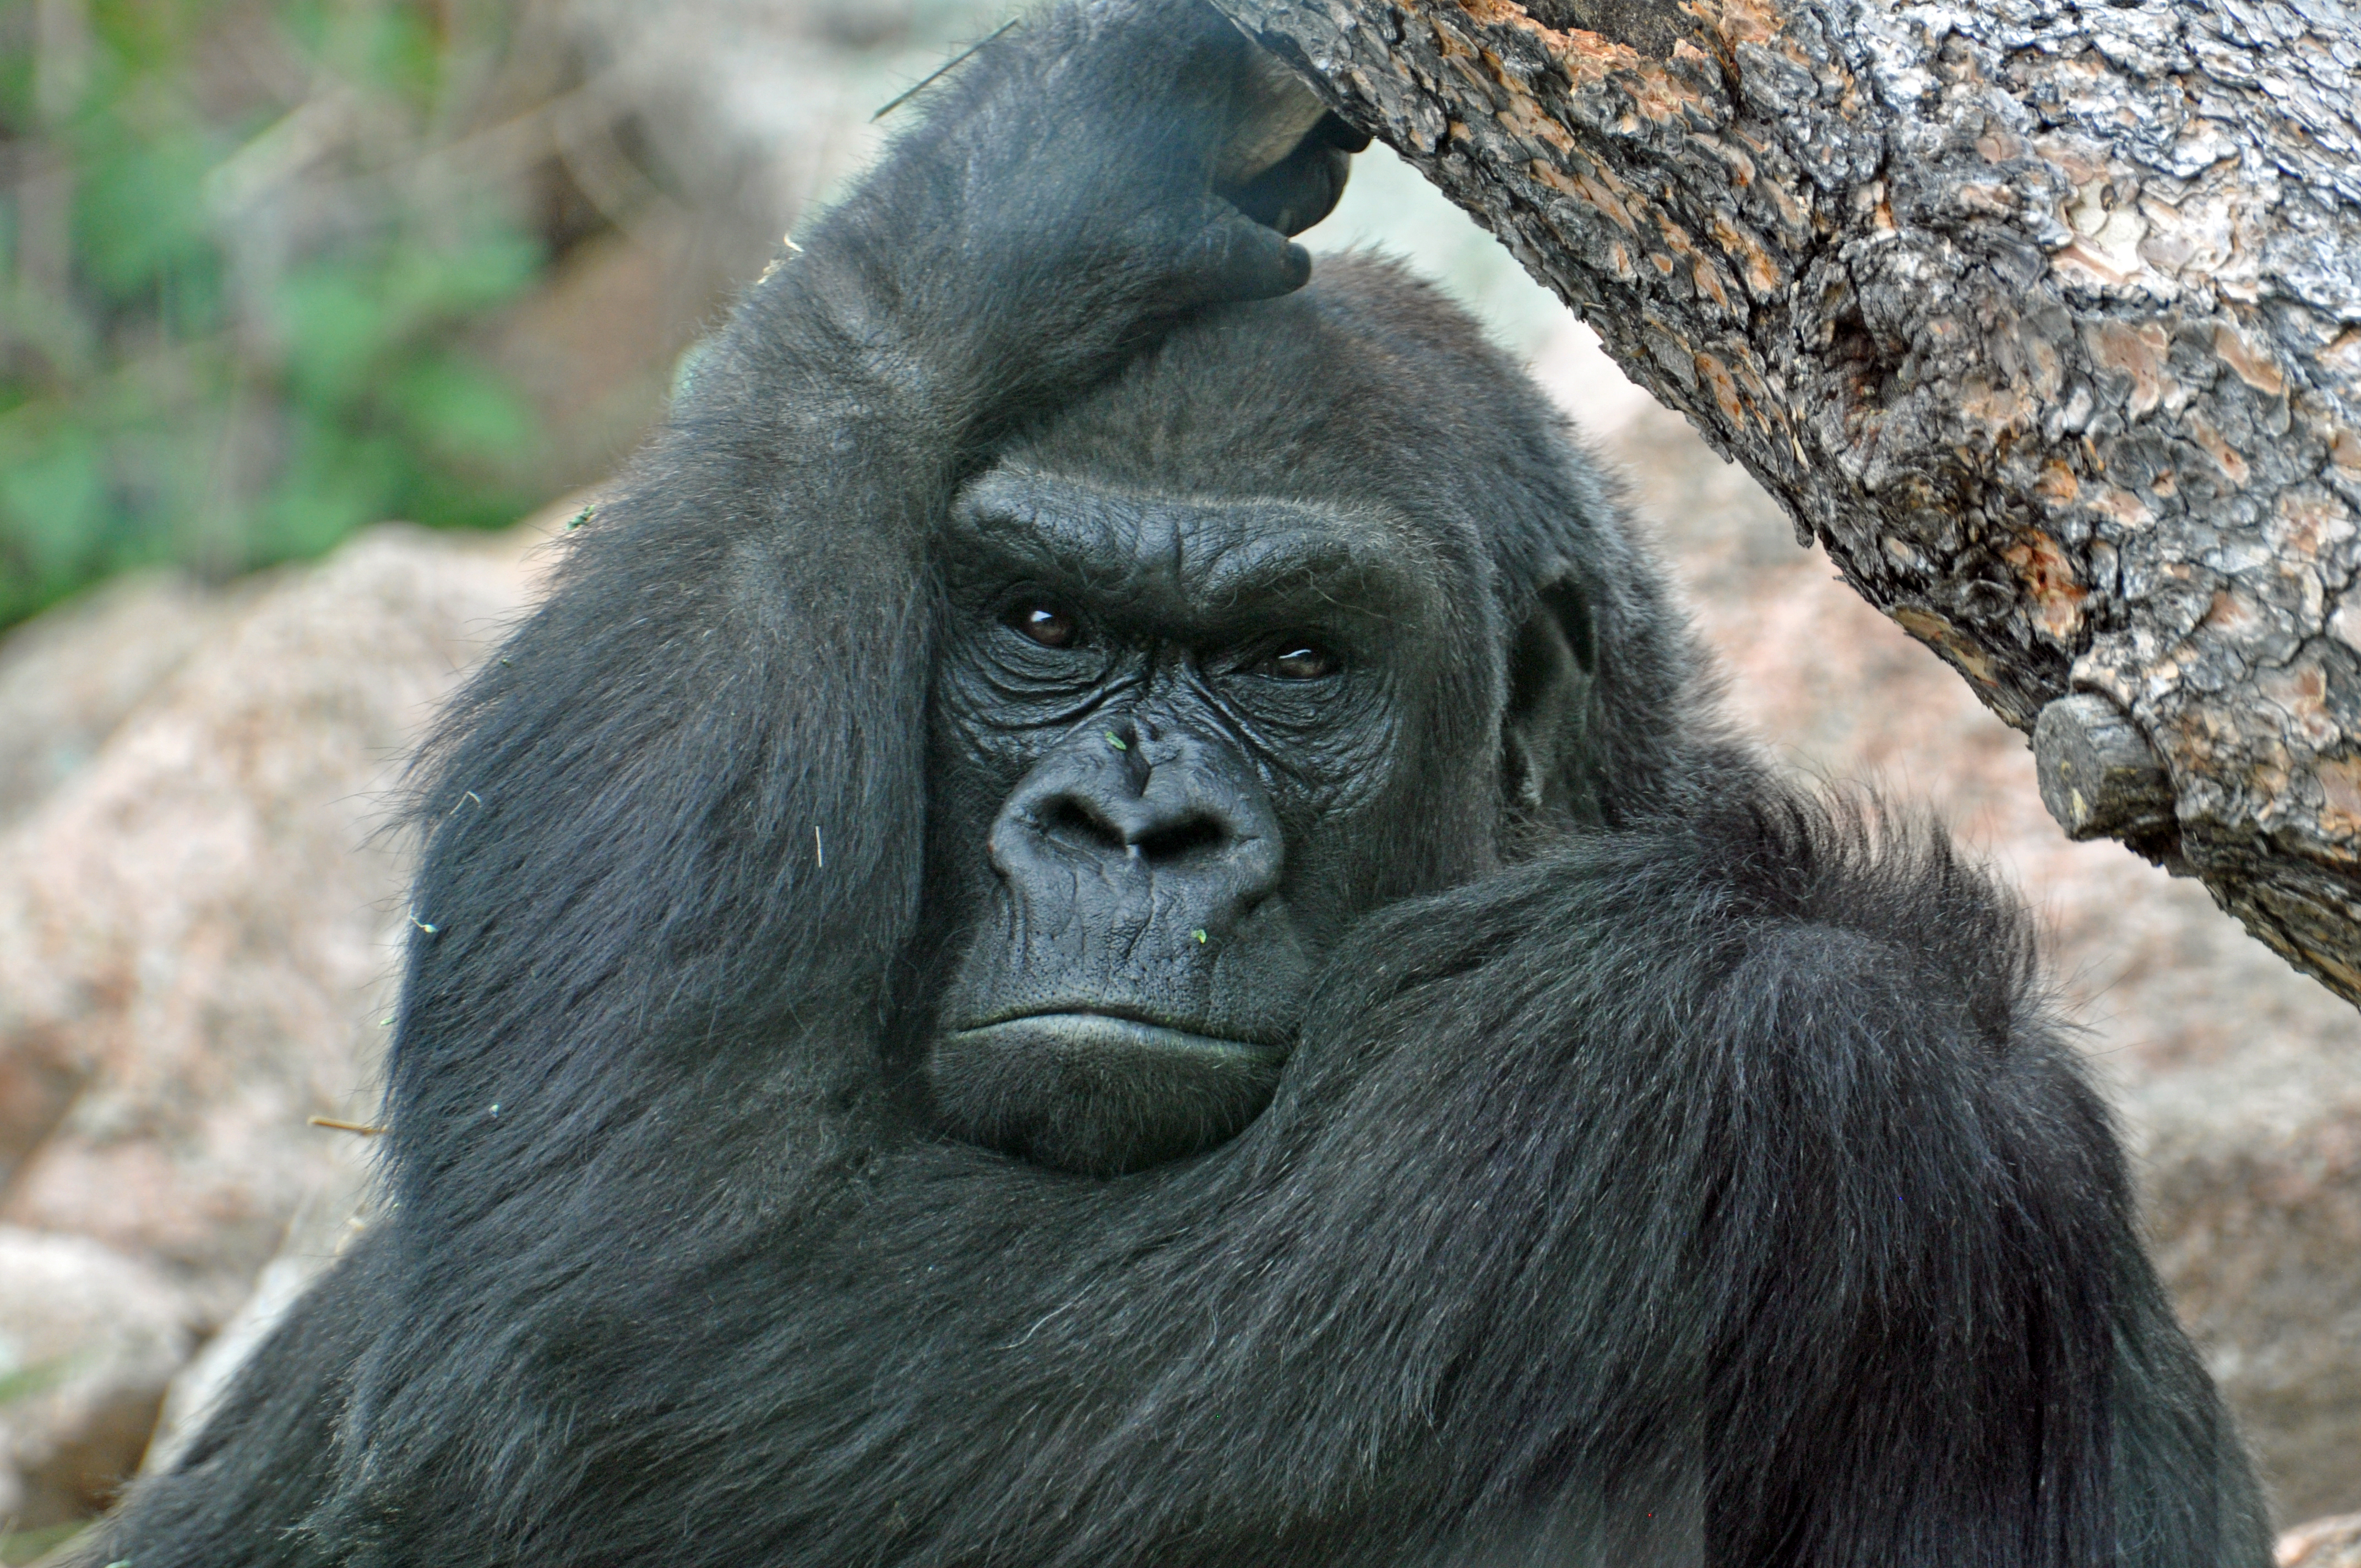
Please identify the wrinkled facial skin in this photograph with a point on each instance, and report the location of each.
(1170, 740)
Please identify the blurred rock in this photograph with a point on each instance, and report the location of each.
(595, 346)
(2254, 1197)
(2322, 1544)
(89, 1340)
(197, 930)
(750, 108)
(67, 679)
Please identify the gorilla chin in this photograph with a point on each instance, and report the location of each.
(1096, 1093)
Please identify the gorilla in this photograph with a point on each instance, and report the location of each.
(1104, 921)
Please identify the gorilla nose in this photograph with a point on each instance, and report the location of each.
(1175, 819)
(1143, 827)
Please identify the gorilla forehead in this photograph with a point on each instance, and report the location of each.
(1369, 389)
(1186, 560)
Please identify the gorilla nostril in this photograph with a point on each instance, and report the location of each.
(1080, 823)
(1070, 819)
(1197, 833)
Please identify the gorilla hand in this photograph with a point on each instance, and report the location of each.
(1081, 184)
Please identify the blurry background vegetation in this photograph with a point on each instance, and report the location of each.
(271, 271)
(251, 252)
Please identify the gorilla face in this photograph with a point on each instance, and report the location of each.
(1171, 743)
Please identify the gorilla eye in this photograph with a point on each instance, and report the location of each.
(1045, 624)
(1303, 662)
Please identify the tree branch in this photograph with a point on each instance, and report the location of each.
(2046, 321)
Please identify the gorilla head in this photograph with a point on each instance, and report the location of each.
(1102, 921)
(1297, 617)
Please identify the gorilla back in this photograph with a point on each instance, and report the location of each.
(1103, 922)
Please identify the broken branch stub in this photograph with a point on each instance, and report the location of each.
(2099, 776)
(2044, 321)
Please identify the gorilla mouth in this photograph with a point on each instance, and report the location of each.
(1098, 1092)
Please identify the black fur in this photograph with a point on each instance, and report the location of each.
(1670, 1169)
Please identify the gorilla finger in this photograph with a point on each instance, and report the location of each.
(1232, 257)
(1299, 190)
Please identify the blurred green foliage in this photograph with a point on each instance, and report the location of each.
(247, 248)
(32, 1545)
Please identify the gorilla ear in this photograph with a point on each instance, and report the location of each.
(1545, 726)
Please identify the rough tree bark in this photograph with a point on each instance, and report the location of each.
(2043, 318)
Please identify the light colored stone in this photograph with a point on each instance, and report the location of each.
(2252, 1183)
(198, 931)
(67, 678)
(2322, 1544)
(89, 1340)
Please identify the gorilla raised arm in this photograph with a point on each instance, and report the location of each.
(1101, 924)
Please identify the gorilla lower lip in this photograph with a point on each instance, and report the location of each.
(1109, 1031)
(1096, 1093)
